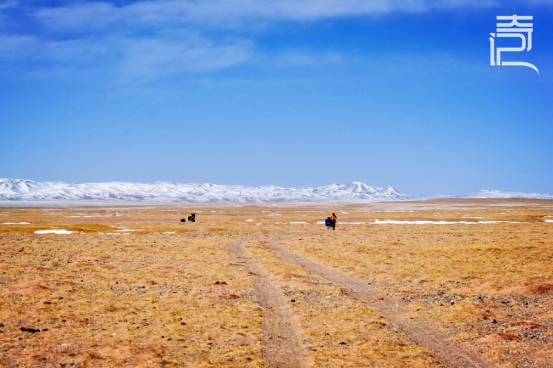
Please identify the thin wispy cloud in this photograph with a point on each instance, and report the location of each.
(7, 4)
(147, 58)
(302, 58)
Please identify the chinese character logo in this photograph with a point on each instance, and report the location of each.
(512, 26)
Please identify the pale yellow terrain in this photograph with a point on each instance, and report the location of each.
(135, 287)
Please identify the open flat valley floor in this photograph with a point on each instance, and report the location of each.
(438, 283)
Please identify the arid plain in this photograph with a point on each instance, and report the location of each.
(441, 283)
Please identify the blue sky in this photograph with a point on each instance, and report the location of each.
(288, 92)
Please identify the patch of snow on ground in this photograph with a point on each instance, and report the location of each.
(15, 223)
(88, 216)
(55, 231)
(347, 222)
(428, 222)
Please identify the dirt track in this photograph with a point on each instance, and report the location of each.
(282, 337)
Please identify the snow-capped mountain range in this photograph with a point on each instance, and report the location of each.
(163, 192)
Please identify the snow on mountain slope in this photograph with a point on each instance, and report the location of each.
(28, 190)
(489, 193)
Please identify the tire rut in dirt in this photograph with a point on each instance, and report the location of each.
(282, 335)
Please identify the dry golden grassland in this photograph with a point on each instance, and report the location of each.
(134, 287)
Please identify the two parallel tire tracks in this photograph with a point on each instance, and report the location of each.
(283, 339)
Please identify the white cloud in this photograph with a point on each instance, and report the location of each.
(216, 13)
(150, 39)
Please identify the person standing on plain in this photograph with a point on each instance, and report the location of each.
(333, 220)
